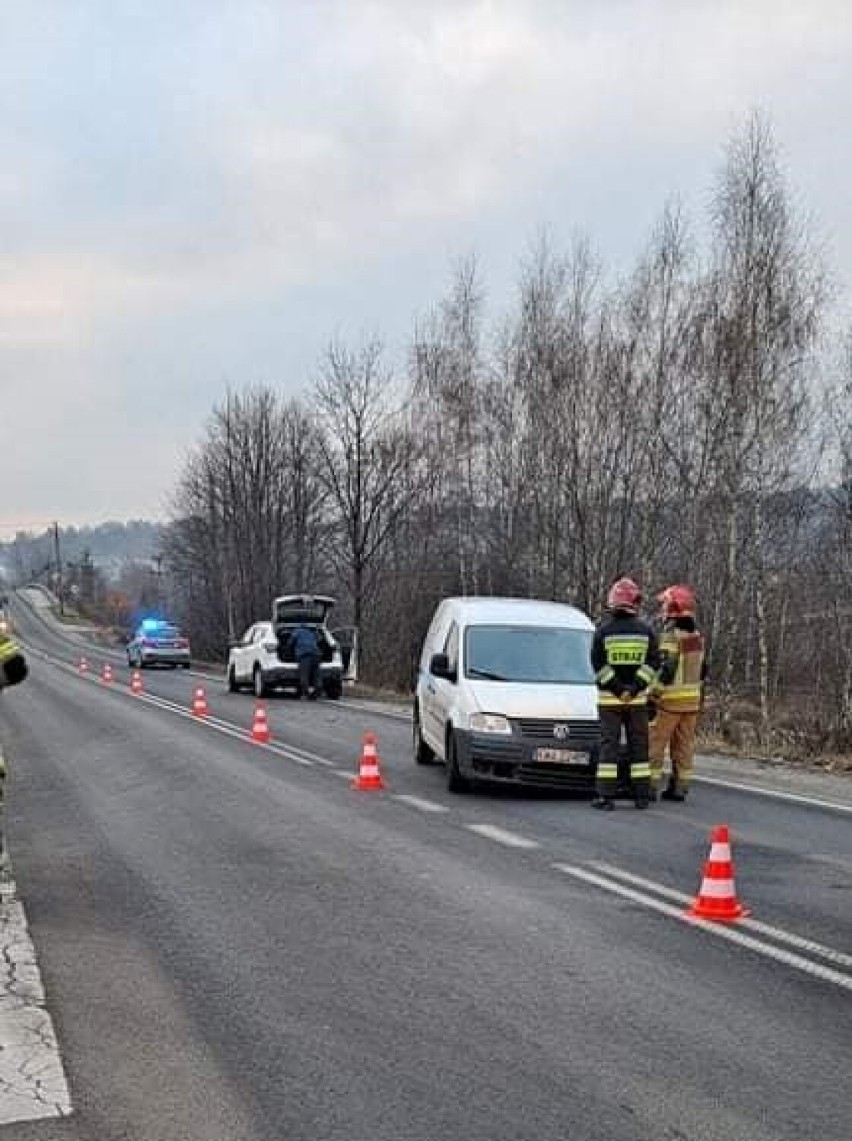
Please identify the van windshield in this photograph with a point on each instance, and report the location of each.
(534, 654)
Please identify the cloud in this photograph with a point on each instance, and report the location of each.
(200, 192)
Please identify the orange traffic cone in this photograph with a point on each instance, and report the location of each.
(199, 703)
(369, 776)
(717, 897)
(106, 673)
(136, 682)
(260, 726)
(83, 666)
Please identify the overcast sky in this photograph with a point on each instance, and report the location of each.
(200, 194)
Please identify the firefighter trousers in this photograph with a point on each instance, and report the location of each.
(675, 732)
(634, 720)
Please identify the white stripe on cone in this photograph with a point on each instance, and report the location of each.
(717, 889)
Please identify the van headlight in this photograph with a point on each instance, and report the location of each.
(490, 723)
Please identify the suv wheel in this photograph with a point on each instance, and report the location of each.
(258, 683)
(455, 781)
(333, 688)
(423, 755)
(232, 680)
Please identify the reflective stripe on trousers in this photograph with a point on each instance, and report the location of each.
(633, 718)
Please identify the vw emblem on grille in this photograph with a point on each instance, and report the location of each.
(561, 731)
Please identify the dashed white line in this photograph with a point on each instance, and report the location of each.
(731, 934)
(809, 946)
(501, 836)
(513, 840)
(420, 803)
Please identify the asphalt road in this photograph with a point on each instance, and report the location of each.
(235, 944)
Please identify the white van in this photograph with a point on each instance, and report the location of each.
(505, 692)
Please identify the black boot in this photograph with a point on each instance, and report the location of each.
(604, 803)
(672, 793)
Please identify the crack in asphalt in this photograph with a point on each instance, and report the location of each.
(31, 1071)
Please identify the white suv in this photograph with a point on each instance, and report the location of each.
(262, 659)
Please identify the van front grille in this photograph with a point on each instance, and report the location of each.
(582, 734)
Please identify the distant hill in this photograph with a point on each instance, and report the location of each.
(110, 546)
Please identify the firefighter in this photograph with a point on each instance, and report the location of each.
(13, 665)
(678, 692)
(625, 658)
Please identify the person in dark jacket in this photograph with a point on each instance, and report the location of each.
(306, 651)
(625, 657)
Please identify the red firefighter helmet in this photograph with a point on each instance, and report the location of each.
(677, 602)
(624, 595)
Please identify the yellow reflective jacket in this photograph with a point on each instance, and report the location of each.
(13, 666)
(680, 682)
(624, 658)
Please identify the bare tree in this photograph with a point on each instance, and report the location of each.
(367, 455)
(767, 322)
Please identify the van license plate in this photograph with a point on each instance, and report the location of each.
(561, 757)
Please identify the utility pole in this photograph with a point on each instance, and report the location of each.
(58, 567)
(158, 563)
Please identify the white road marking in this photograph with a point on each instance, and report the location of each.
(297, 755)
(721, 931)
(421, 804)
(777, 794)
(512, 840)
(501, 836)
(32, 1078)
(809, 946)
(357, 707)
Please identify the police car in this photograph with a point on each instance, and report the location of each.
(158, 643)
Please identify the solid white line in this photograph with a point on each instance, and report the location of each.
(342, 773)
(215, 723)
(32, 1079)
(777, 794)
(839, 958)
(356, 706)
(732, 935)
(421, 804)
(501, 836)
(226, 727)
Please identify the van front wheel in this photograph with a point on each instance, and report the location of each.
(455, 781)
(423, 755)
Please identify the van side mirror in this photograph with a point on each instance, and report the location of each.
(439, 666)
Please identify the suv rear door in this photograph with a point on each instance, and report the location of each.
(242, 655)
(312, 609)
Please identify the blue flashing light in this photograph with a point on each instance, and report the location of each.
(151, 624)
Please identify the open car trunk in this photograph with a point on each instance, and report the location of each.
(291, 610)
(301, 609)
